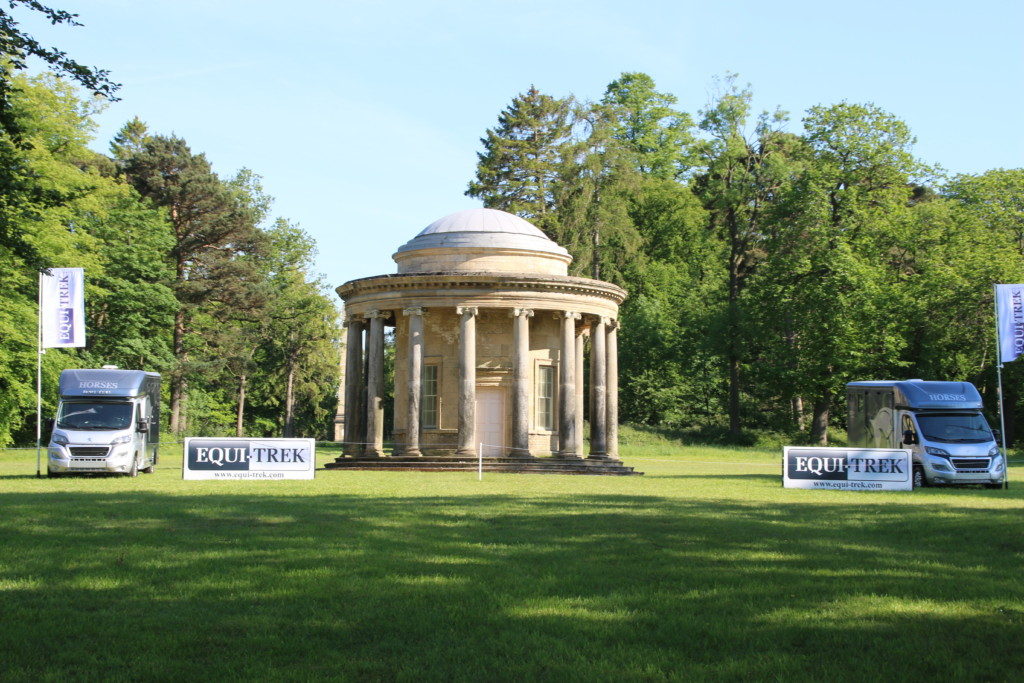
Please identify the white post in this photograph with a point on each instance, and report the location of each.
(480, 462)
(39, 377)
(999, 376)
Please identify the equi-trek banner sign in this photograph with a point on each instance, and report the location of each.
(62, 308)
(847, 469)
(234, 458)
(1010, 321)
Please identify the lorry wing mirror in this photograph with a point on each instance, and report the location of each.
(997, 435)
(48, 424)
(143, 425)
(909, 437)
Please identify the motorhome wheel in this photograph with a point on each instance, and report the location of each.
(919, 480)
(134, 471)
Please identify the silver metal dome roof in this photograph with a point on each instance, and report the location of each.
(482, 228)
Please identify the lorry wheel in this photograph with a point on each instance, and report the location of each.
(919, 480)
(148, 470)
(52, 475)
(134, 471)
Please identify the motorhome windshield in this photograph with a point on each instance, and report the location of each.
(954, 427)
(95, 416)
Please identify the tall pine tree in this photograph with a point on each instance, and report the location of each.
(645, 121)
(212, 224)
(519, 166)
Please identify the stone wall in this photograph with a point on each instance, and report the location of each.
(494, 368)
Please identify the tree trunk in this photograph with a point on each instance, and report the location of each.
(797, 403)
(819, 424)
(289, 401)
(734, 397)
(178, 387)
(733, 331)
(240, 416)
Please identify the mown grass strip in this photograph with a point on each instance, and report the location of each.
(705, 567)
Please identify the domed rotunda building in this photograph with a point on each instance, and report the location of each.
(489, 333)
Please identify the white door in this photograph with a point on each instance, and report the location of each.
(490, 420)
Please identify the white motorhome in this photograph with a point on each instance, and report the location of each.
(108, 421)
(940, 422)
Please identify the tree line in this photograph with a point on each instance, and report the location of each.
(768, 261)
(187, 273)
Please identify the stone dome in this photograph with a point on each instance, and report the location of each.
(482, 240)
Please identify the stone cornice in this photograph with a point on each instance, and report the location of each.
(495, 281)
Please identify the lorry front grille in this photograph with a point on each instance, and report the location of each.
(88, 451)
(970, 463)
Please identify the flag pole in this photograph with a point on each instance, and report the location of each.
(39, 376)
(999, 391)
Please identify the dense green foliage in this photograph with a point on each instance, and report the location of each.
(702, 569)
(766, 267)
(20, 196)
(184, 275)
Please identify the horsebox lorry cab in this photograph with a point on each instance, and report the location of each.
(940, 422)
(108, 422)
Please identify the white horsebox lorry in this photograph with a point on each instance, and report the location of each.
(939, 422)
(108, 422)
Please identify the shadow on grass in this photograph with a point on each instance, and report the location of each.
(765, 478)
(144, 585)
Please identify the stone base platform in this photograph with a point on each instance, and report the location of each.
(452, 463)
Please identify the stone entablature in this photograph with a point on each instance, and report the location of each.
(553, 292)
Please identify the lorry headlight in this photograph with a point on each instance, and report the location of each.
(936, 451)
(940, 464)
(997, 464)
(121, 439)
(60, 439)
(994, 452)
(55, 455)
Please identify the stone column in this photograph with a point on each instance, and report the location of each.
(353, 384)
(579, 391)
(360, 432)
(415, 391)
(467, 380)
(598, 391)
(339, 413)
(567, 387)
(375, 386)
(612, 352)
(520, 382)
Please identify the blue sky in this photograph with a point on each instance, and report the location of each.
(364, 118)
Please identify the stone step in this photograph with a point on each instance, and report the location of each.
(442, 466)
(589, 462)
(512, 465)
(549, 470)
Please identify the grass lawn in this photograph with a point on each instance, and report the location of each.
(703, 568)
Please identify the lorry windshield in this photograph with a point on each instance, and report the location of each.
(95, 415)
(955, 427)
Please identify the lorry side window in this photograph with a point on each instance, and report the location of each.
(908, 424)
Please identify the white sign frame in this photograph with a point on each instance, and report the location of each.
(854, 469)
(273, 459)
